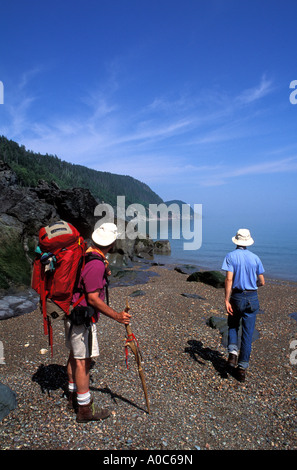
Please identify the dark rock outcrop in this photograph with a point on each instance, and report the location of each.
(24, 210)
(8, 400)
(213, 278)
(162, 247)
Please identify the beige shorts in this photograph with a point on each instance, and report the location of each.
(78, 340)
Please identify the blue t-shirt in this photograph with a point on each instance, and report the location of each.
(245, 266)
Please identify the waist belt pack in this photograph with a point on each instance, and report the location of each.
(81, 315)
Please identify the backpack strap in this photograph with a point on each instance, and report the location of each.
(91, 255)
(47, 326)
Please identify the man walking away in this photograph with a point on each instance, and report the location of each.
(244, 274)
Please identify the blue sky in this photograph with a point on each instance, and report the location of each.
(190, 97)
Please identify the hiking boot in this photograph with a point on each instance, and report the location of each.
(240, 374)
(88, 412)
(72, 401)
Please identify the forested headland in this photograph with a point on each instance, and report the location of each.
(30, 167)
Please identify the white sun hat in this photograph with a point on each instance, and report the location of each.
(105, 235)
(243, 238)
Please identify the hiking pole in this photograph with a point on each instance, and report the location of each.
(132, 343)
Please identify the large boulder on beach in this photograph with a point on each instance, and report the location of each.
(144, 247)
(162, 247)
(213, 278)
(8, 400)
(18, 303)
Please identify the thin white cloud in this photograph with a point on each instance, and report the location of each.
(285, 165)
(256, 93)
(27, 76)
(164, 139)
(18, 116)
(278, 166)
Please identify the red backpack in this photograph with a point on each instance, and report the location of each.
(60, 254)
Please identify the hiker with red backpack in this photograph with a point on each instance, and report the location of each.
(72, 282)
(91, 285)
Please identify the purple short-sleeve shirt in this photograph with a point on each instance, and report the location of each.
(91, 280)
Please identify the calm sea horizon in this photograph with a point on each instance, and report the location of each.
(277, 253)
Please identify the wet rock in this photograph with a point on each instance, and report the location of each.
(8, 400)
(162, 247)
(119, 260)
(144, 247)
(193, 296)
(185, 269)
(137, 293)
(18, 304)
(212, 278)
(129, 277)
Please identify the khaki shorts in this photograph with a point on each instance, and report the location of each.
(78, 340)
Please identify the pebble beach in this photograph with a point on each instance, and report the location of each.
(195, 403)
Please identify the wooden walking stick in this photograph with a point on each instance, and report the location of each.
(132, 343)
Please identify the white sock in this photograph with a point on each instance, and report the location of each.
(84, 398)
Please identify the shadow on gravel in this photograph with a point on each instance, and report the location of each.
(51, 377)
(54, 377)
(115, 396)
(196, 351)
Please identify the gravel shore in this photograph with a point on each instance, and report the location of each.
(195, 403)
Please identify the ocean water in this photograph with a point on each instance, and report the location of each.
(277, 253)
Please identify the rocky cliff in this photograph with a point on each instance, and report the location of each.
(24, 210)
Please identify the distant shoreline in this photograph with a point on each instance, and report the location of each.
(172, 265)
